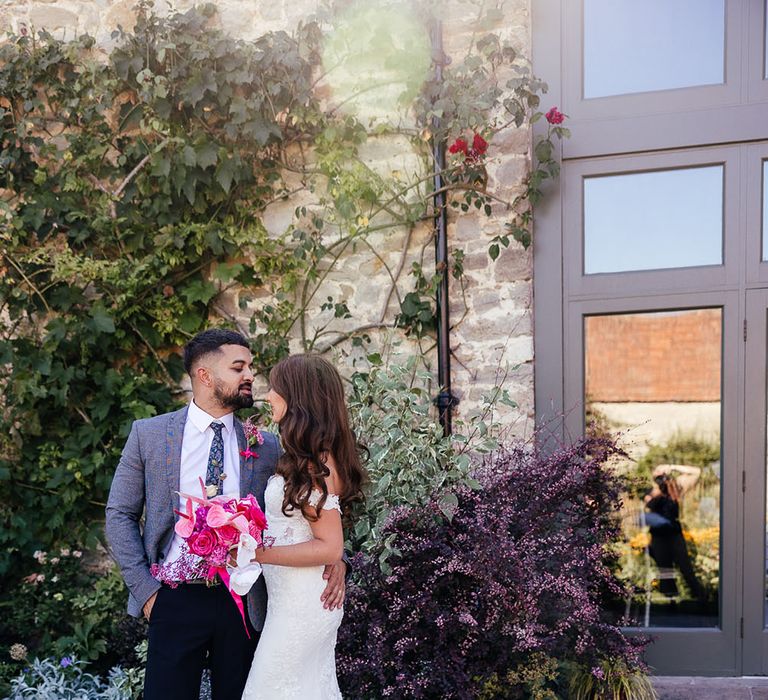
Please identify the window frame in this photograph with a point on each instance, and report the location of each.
(607, 134)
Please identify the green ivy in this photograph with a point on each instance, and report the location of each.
(127, 195)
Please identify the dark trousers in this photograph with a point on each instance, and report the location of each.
(192, 626)
(667, 550)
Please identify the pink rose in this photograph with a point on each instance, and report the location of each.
(228, 535)
(202, 543)
(554, 116)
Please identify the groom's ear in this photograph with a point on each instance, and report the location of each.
(204, 376)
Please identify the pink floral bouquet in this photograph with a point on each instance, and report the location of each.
(211, 528)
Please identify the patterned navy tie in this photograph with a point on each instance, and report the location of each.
(216, 459)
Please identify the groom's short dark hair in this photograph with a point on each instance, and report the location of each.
(210, 341)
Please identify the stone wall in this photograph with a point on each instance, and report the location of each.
(492, 336)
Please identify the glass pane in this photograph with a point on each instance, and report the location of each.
(765, 210)
(654, 220)
(632, 46)
(655, 378)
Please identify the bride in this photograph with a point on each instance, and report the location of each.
(317, 480)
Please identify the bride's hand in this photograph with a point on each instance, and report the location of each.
(333, 595)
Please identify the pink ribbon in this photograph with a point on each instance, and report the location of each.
(224, 576)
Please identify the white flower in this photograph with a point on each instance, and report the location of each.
(55, 561)
(58, 596)
(64, 552)
(54, 579)
(77, 554)
(18, 652)
(40, 556)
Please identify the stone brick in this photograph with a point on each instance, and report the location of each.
(121, 13)
(511, 141)
(53, 18)
(506, 173)
(514, 264)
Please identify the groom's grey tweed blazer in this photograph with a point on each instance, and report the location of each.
(146, 481)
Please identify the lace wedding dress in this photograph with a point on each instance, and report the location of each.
(295, 657)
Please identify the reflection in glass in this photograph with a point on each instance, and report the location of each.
(655, 377)
(765, 210)
(632, 46)
(653, 220)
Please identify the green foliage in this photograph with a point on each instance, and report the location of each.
(36, 608)
(538, 679)
(611, 680)
(127, 190)
(61, 607)
(681, 448)
(101, 630)
(410, 458)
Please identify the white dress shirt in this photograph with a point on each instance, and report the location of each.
(195, 448)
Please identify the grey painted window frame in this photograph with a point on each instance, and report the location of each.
(641, 122)
(692, 651)
(757, 84)
(632, 104)
(757, 269)
(669, 279)
(660, 127)
(756, 406)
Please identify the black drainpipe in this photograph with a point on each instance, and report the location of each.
(445, 400)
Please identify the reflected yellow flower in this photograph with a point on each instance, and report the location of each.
(703, 536)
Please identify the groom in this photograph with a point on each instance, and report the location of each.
(168, 454)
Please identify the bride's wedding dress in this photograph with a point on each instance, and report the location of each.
(295, 657)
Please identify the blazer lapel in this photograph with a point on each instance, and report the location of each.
(174, 437)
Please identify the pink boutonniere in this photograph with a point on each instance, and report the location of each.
(253, 436)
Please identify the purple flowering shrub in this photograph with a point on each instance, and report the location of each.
(520, 570)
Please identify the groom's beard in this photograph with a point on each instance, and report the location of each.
(233, 399)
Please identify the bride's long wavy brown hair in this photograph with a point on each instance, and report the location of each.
(315, 425)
